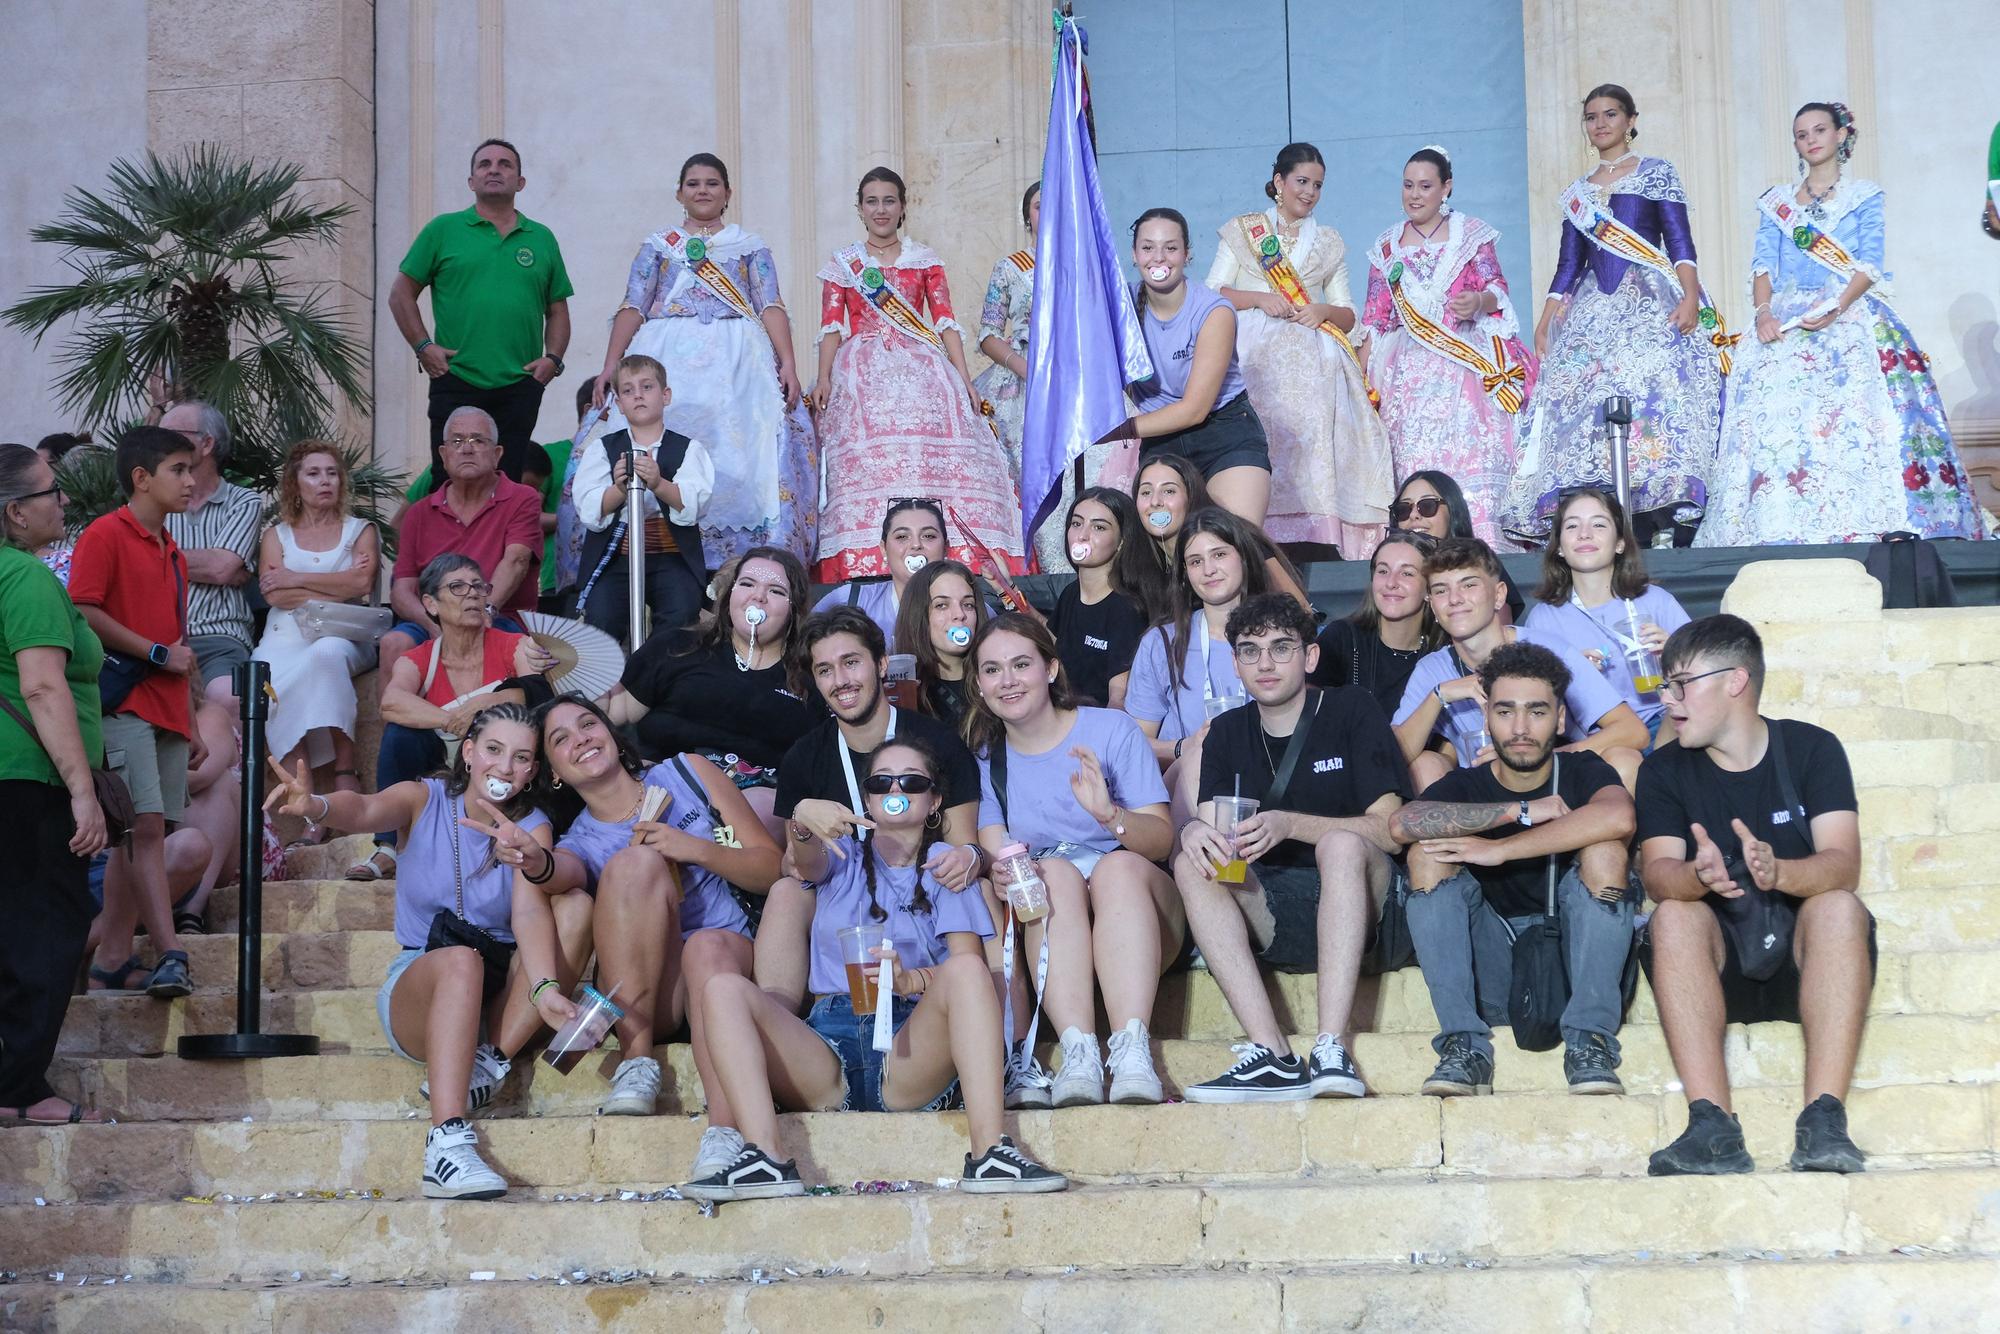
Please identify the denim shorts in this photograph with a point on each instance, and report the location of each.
(1084, 859)
(397, 967)
(852, 1038)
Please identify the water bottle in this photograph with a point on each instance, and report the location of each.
(1017, 877)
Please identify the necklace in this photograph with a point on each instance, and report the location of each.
(702, 228)
(1816, 200)
(632, 814)
(1436, 227)
(875, 249)
(1629, 155)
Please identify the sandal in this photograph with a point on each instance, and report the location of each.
(188, 923)
(119, 978)
(77, 1115)
(366, 869)
(170, 979)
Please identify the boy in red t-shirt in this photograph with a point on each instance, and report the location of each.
(129, 580)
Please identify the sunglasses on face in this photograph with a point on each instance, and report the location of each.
(914, 784)
(1426, 508)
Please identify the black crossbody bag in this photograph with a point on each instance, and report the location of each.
(1760, 924)
(451, 928)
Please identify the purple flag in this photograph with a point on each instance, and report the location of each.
(1084, 344)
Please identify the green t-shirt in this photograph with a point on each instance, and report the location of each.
(490, 293)
(552, 488)
(1993, 156)
(35, 612)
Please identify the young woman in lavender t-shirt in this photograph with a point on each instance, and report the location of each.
(472, 829)
(1593, 585)
(1084, 793)
(666, 921)
(944, 1014)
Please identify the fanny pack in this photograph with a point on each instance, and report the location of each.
(1761, 922)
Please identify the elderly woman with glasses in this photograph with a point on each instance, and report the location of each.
(437, 689)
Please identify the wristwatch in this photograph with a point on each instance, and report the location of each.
(557, 360)
(157, 655)
(1527, 821)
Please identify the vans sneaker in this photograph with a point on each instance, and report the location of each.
(1133, 1079)
(751, 1175)
(453, 1169)
(1712, 1145)
(1260, 1075)
(718, 1149)
(635, 1087)
(1005, 1170)
(1080, 1082)
(1027, 1082)
(1462, 1070)
(1332, 1071)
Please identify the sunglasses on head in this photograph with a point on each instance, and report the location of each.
(914, 784)
(1427, 508)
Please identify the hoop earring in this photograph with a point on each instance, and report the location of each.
(935, 820)
(555, 785)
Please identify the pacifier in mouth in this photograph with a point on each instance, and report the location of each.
(498, 788)
(1158, 273)
(1159, 518)
(1079, 552)
(915, 561)
(895, 804)
(754, 615)
(959, 635)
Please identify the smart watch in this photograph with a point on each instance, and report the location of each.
(1527, 821)
(157, 655)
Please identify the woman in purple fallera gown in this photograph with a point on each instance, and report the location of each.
(1625, 317)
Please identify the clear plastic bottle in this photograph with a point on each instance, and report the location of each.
(1019, 880)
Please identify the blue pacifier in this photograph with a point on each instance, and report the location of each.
(895, 804)
(959, 635)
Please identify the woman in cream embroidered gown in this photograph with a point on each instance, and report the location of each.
(1331, 477)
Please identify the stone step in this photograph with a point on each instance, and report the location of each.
(1095, 1229)
(1438, 1292)
(134, 1024)
(1508, 1135)
(373, 1085)
(311, 905)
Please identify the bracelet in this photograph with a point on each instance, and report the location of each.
(1764, 309)
(548, 872)
(1177, 747)
(419, 348)
(800, 833)
(324, 807)
(535, 996)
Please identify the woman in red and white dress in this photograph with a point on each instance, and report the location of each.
(897, 412)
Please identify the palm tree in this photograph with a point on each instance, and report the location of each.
(180, 277)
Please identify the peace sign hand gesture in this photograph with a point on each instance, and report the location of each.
(512, 845)
(293, 794)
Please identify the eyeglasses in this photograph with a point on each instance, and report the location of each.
(467, 588)
(914, 784)
(45, 491)
(1282, 651)
(1426, 508)
(462, 442)
(1675, 687)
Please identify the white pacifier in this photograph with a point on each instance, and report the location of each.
(1159, 518)
(1158, 273)
(959, 635)
(1079, 552)
(895, 804)
(498, 788)
(755, 615)
(915, 561)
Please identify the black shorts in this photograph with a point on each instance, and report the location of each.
(1229, 437)
(1291, 894)
(1748, 1001)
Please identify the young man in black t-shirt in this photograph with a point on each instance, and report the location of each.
(1327, 773)
(1751, 845)
(1487, 843)
(819, 795)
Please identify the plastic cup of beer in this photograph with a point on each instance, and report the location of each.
(1231, 812)
(899, 680)
(585, 1031)
(857, 950)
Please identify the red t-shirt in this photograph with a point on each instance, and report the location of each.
(511, 518)
(499, 665)
(139, 581)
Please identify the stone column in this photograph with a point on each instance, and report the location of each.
(283, 81)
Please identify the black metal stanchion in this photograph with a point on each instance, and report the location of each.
(252, 681)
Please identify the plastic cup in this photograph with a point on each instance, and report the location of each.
(1640, 660)
(1218, 705)
(857, 950)
(1020, 880)
(585, 1031)
(1230, 812)
(900, 680)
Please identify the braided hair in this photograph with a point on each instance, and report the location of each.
(933, 767)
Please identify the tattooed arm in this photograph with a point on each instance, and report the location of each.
(1422, 820)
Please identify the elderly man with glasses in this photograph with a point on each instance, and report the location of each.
(478, 512)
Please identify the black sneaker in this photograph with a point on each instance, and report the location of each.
(1462, 1070)
(1261, 1075)
(752, 1175)
(1005, 1170)
(1712, 1145)
(1589, 1066)
(1823, 1145)
(1331, 1070)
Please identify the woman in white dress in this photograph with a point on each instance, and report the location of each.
(318, 551)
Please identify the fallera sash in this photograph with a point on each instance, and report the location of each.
(888, 302)
(1024, 260)
(1830, 254)
(1496, 377)
(1600, 225)
(693, 252)
(1284, 280)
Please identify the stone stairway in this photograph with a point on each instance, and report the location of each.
(283, 1195)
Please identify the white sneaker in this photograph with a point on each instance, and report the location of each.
(1133, 1079)
(719, 1148)
(453, 1169)
(489, 1068)
(1027, 1082)
(1080, 1082)
(634, 1088)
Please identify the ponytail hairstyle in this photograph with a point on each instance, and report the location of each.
(888, 177)
(1253, 549)
(933, 766)
(1616, 93)
(1437, 157)
(458, 775)
(704, 160)
(1842, 118)
(1290, 156)
(1028, 200)
(1172, 215)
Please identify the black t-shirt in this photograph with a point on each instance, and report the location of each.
(1348, 657)
(701, 701)
(1521, 888)
(1678, 788)
(811, 768)
(1096, 643)
(1349, 761)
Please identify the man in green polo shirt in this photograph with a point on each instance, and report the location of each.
(500, 296)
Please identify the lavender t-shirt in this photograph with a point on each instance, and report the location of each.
(426, 884)
(706, 902)
(876, 600)
(918, 937)
(1603, 628)
(1172, 344)
(1153, 696)
(1588, 698)
(1042, 811)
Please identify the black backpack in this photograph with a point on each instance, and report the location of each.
(1910, 572)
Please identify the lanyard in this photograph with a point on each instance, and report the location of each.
(1624, 645)
(847, 762)
(1199, 633)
